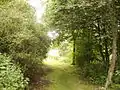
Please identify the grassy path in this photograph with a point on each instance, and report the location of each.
(63, 77)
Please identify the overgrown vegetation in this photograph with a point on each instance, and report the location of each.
(90, 28)
(24, 40)
(11, 76)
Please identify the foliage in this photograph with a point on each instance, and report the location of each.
(65, 48)
(22, 38)
(89, 25)
(11, 77)
(30, 53)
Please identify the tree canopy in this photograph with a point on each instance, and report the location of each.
(93, 26)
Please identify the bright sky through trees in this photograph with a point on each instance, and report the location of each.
(39, 6)
(53, 34)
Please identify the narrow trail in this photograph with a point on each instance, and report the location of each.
(63, 77)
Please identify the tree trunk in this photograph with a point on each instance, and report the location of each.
(114, 46)
(106, 50)
(74, 46)
(113, 20)
(100, 41)
(106, 53)
(73, 63)
(113, 61)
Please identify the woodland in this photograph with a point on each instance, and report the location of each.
(75, 47)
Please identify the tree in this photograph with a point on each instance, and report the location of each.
(22, 38)
(111, 5)
(92, 22)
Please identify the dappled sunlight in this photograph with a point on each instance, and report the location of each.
(63, 76)
(54, 53)
(54, 58)
(51, 62)
(52, 34)
(59, 44)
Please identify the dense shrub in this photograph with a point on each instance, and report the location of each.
(89, 62)
(11, 77)
(84, 51)
(30, 53)
(21, 38)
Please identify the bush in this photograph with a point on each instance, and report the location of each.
(30, 53)
(94, 73)
(90, 66)
(21, 38)
(11, 77)
(84, 51)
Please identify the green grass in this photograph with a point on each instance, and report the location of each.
(64, 78)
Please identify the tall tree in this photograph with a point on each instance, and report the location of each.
(112, 13)
(95, 23)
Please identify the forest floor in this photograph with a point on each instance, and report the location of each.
(63, 77)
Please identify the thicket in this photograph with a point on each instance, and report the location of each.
(22, 39)
(11, 76)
